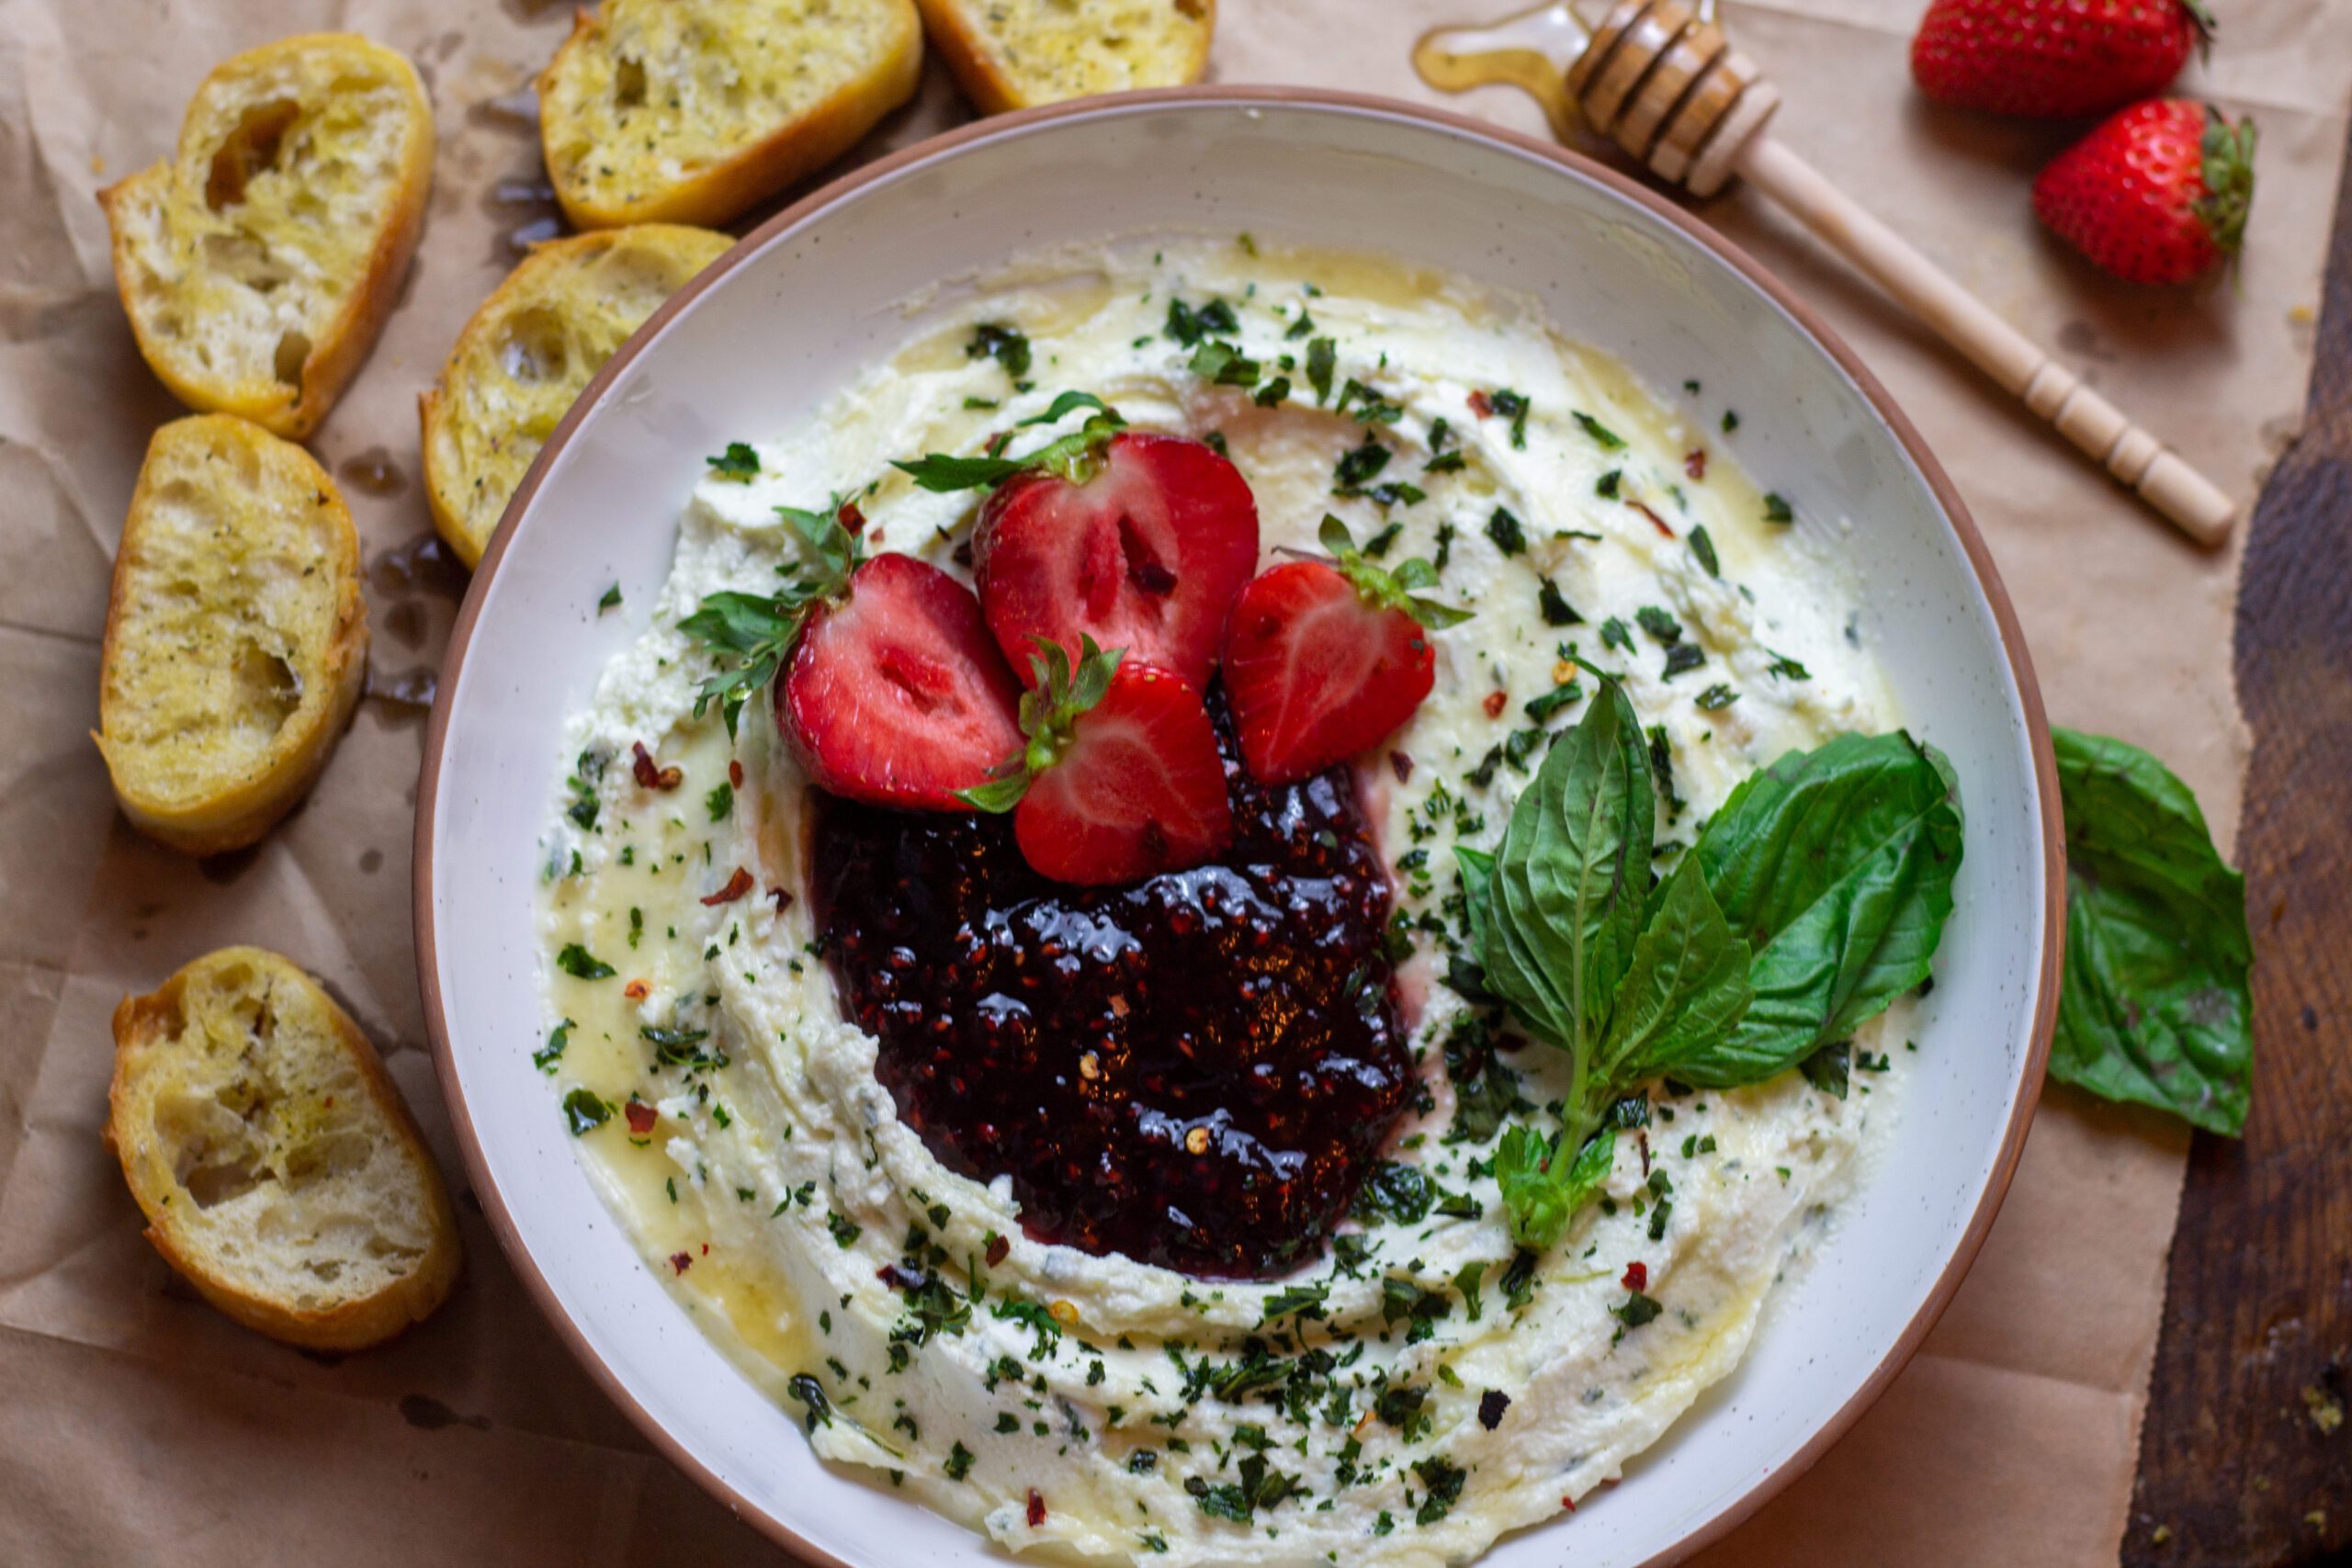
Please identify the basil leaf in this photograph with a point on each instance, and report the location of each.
(1686, 990)
(1836, 865)
(1542, 1189)
(2154, 1007)
(1568, 886)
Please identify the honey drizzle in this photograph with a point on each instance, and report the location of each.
(1530, 50)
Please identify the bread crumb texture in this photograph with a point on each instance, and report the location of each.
(257, 264)
(689, 111)
(527, 352)
(1011, 55)
(236, 637)
(276, 1164)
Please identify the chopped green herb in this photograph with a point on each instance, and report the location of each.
(1660, 623)
(1704, 547)
(1717, 697)
(1558, 611)
(1513, 407)
(1506, 530)
(1008, 345)
(581, 964)
(1608, 439)
(611, 599)
(1778, 509)
(1223, 364)
(1359, 464)
(720, 801)
(1189, 326)
(584, 1112)
(739, 463)
(1322, 360)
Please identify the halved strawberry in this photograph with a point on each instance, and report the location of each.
(1325, 659)
(895, 694)
(1145, 553)
(1119, 777)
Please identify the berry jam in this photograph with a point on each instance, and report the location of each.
(1196, 1071)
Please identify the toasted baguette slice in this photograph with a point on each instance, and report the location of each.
(691, 111)
(236, 638)
(258, 264)
(1016, 54)
(278, 1168)
(525, 355)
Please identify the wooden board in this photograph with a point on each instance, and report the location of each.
(2245, 1459)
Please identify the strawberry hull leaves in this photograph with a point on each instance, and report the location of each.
(2154, 1007)
(1073, 456)
(753, 632)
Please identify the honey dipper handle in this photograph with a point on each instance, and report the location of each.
(2161, 478)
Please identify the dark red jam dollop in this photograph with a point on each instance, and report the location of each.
(1196, 1071)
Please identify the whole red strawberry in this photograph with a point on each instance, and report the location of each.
(2158, 194)
(2053, 57)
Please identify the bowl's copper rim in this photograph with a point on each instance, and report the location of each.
(1963, 527)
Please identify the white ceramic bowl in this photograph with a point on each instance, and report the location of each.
(799, 306)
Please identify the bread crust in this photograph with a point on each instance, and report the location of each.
(443, 484)
(244, 813)
(295, 410)
(141, 1023)
(954, 30)
(719, 194)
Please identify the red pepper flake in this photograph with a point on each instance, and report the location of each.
(682, 1262)
(734, 772)
(651, 774)
(1694, 462)
(1493, 704)
(705, 1250)
(998, 1246)
(1637, 1276)
(1656, 521)
(1569, 1504)
(850, 518)
(1036, 1508)
(1401, 765)
(1481, 404)
(1642, 1141)
(736, 885)
(641, 1115)
(783, 899)
(636, 990)
(899, 1277)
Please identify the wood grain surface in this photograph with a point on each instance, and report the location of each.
(2245, 1459)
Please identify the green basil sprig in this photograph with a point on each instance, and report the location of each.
(1813, 899)
(2154, 1007)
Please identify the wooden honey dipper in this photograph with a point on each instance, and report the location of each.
(1668, 87)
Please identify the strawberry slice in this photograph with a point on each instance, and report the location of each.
(1119, 777)
(895, 694)
(1325, 659)
(1144, 553)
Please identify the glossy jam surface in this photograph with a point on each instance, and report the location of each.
(1197, 1070)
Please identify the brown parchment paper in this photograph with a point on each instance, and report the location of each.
(136, 1426)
